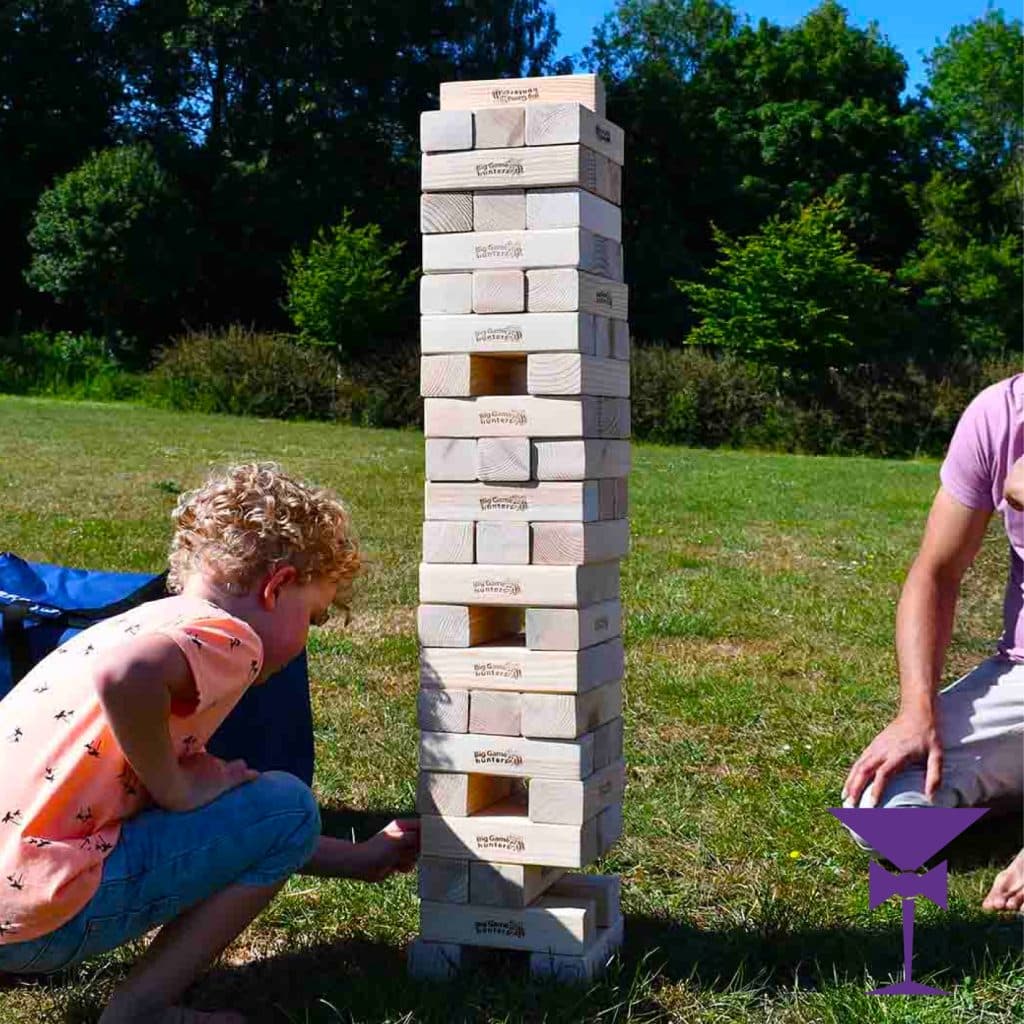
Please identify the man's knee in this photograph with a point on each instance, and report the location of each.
(289, 797)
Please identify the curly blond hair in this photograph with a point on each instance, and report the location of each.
(252, 518)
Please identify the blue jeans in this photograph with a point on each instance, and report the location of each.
(165, 862)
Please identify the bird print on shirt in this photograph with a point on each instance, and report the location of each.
(64, 715)
(93, 749)
(15, 736)
(16, 881)
(11, 818)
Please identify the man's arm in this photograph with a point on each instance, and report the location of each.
(924, 625)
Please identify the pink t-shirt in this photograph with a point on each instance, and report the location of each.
(65, 784)
(987, 441)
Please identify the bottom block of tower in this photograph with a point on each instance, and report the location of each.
(434, 961)
(571, 969)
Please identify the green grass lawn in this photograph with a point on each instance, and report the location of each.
(760, 596)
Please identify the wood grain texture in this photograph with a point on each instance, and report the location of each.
(451, 458)
(548, 208)
(567, 715)
(508, 333)
(464, 375)
(574, 801)
(443, 710)
(439, 961)
(454, 625)
(554, 124)
(620, 339)
(499, 291)
(578, 970)
(603, 337)
(562, 289)
(499, 210)
(447, 881)
(503, 543)
(554, 501)
(444, 130)
(577, 543)
(554, 586)
(565, 373)
(446, 294)
(504, 92)
(518, 885)
(540, 416)
(607, 743)
(579, 460)
(448, 542)
(459, 794)
(572, 629)
(605, 890)
(494, 712)
(499, 127)
(443, 212)
(510, 756)
(503, 459)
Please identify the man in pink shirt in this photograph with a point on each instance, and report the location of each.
(963, 746)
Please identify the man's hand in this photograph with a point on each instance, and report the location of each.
(1013, 487)
(907, 739)
(392, 850)
(205, 777)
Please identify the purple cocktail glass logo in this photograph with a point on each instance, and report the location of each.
(907, 836)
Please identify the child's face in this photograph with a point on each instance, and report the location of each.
(293, 608)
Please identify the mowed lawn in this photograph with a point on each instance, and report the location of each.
(760, 596)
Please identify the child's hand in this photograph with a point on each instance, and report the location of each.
(207, 777)
(393, 849)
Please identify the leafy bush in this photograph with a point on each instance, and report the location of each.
(343, 292)
(383, 392)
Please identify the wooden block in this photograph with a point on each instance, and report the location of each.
(556, 124)
(504, 92)
(508, 838)
(443, 710)
(572, 208)
(459, 794)
(518, 885)
(556, 927)
(555, 586)
(503, 543)
(443, 130)
(603, 337)
(499, 210)
(605, 499)
(500, 127)
(513, 334)
(463, 374)
(505, 667)
(607, 743)
(582, 969)
(448, 542)
(620, 339)
(460, 625)
(567, 715)
(506, 756)
(579, 460)
(572, 802)
(621, 510)
(528, 416)
(447, 881)
(503, 459)
(565, 373)
(494, 712)
(572, 629)
(604, 890)
(572, 500)
(576, 543)
(523, 250)
(446, 293)
(562, 289)
(451, 458)
(609, 828)
(499, 291)
(435, 961)
(441, 212)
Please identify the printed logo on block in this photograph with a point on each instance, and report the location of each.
(520, 95)
(510, 168)
(510, 929)
(603, 298)
(508, 504)
(605, 788)
(506, 757)
(602, 133)
(505, 587)
(509, 843)
(498, 670)
(495, 334)
(601, 624)
(510, 250)
(504, 417)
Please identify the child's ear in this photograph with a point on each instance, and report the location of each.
(273, 583)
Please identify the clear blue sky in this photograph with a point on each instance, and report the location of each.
(913, 26)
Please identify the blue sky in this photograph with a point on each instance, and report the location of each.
(913, 26)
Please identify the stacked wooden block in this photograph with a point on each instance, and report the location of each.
(525, 377)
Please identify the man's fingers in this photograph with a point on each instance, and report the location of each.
(882, 776)
(859, 778)
(933, 776)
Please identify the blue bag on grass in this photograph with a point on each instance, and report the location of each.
(41, 605)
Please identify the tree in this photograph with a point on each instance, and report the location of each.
(794, 295)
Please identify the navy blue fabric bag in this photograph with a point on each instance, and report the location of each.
(41, 605)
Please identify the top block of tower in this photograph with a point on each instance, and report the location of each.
(515, 92)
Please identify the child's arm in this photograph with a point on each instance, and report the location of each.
(136, 685)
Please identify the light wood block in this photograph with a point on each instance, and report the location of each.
(436, 961)
(523, 250)
(604, 890)
(558, 124)
(518, 885)
(442, 212)
(562, 289)
(504, 333)
(509, 838)
(534, 416)
(503, 543)
(503, 459)
(506, 756)
(460, 625)
(443, 130)
(566, 715)
(579, 460)
(567, 970)
(446, 293)
(448, 542)
(620, 339)
(554, 586)
(464, 375)
(447, 881)
(572, 208)
(563, 500)
(459, 794)
(499, 210)
(603, 337)
(576, 543)
(572, 802)
(500, 127)
(607, 743)
(609, 828)
(572, 629)
(505, 92)
(499, 291)
(547, 927)
(494, 712)
(505, 667)
(443, 710)
(565, 373)
(451, 458)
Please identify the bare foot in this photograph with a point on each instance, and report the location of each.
(1007, 892)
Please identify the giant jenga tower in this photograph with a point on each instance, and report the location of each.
(525, 377)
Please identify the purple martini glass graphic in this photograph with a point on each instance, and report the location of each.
(907, 836)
